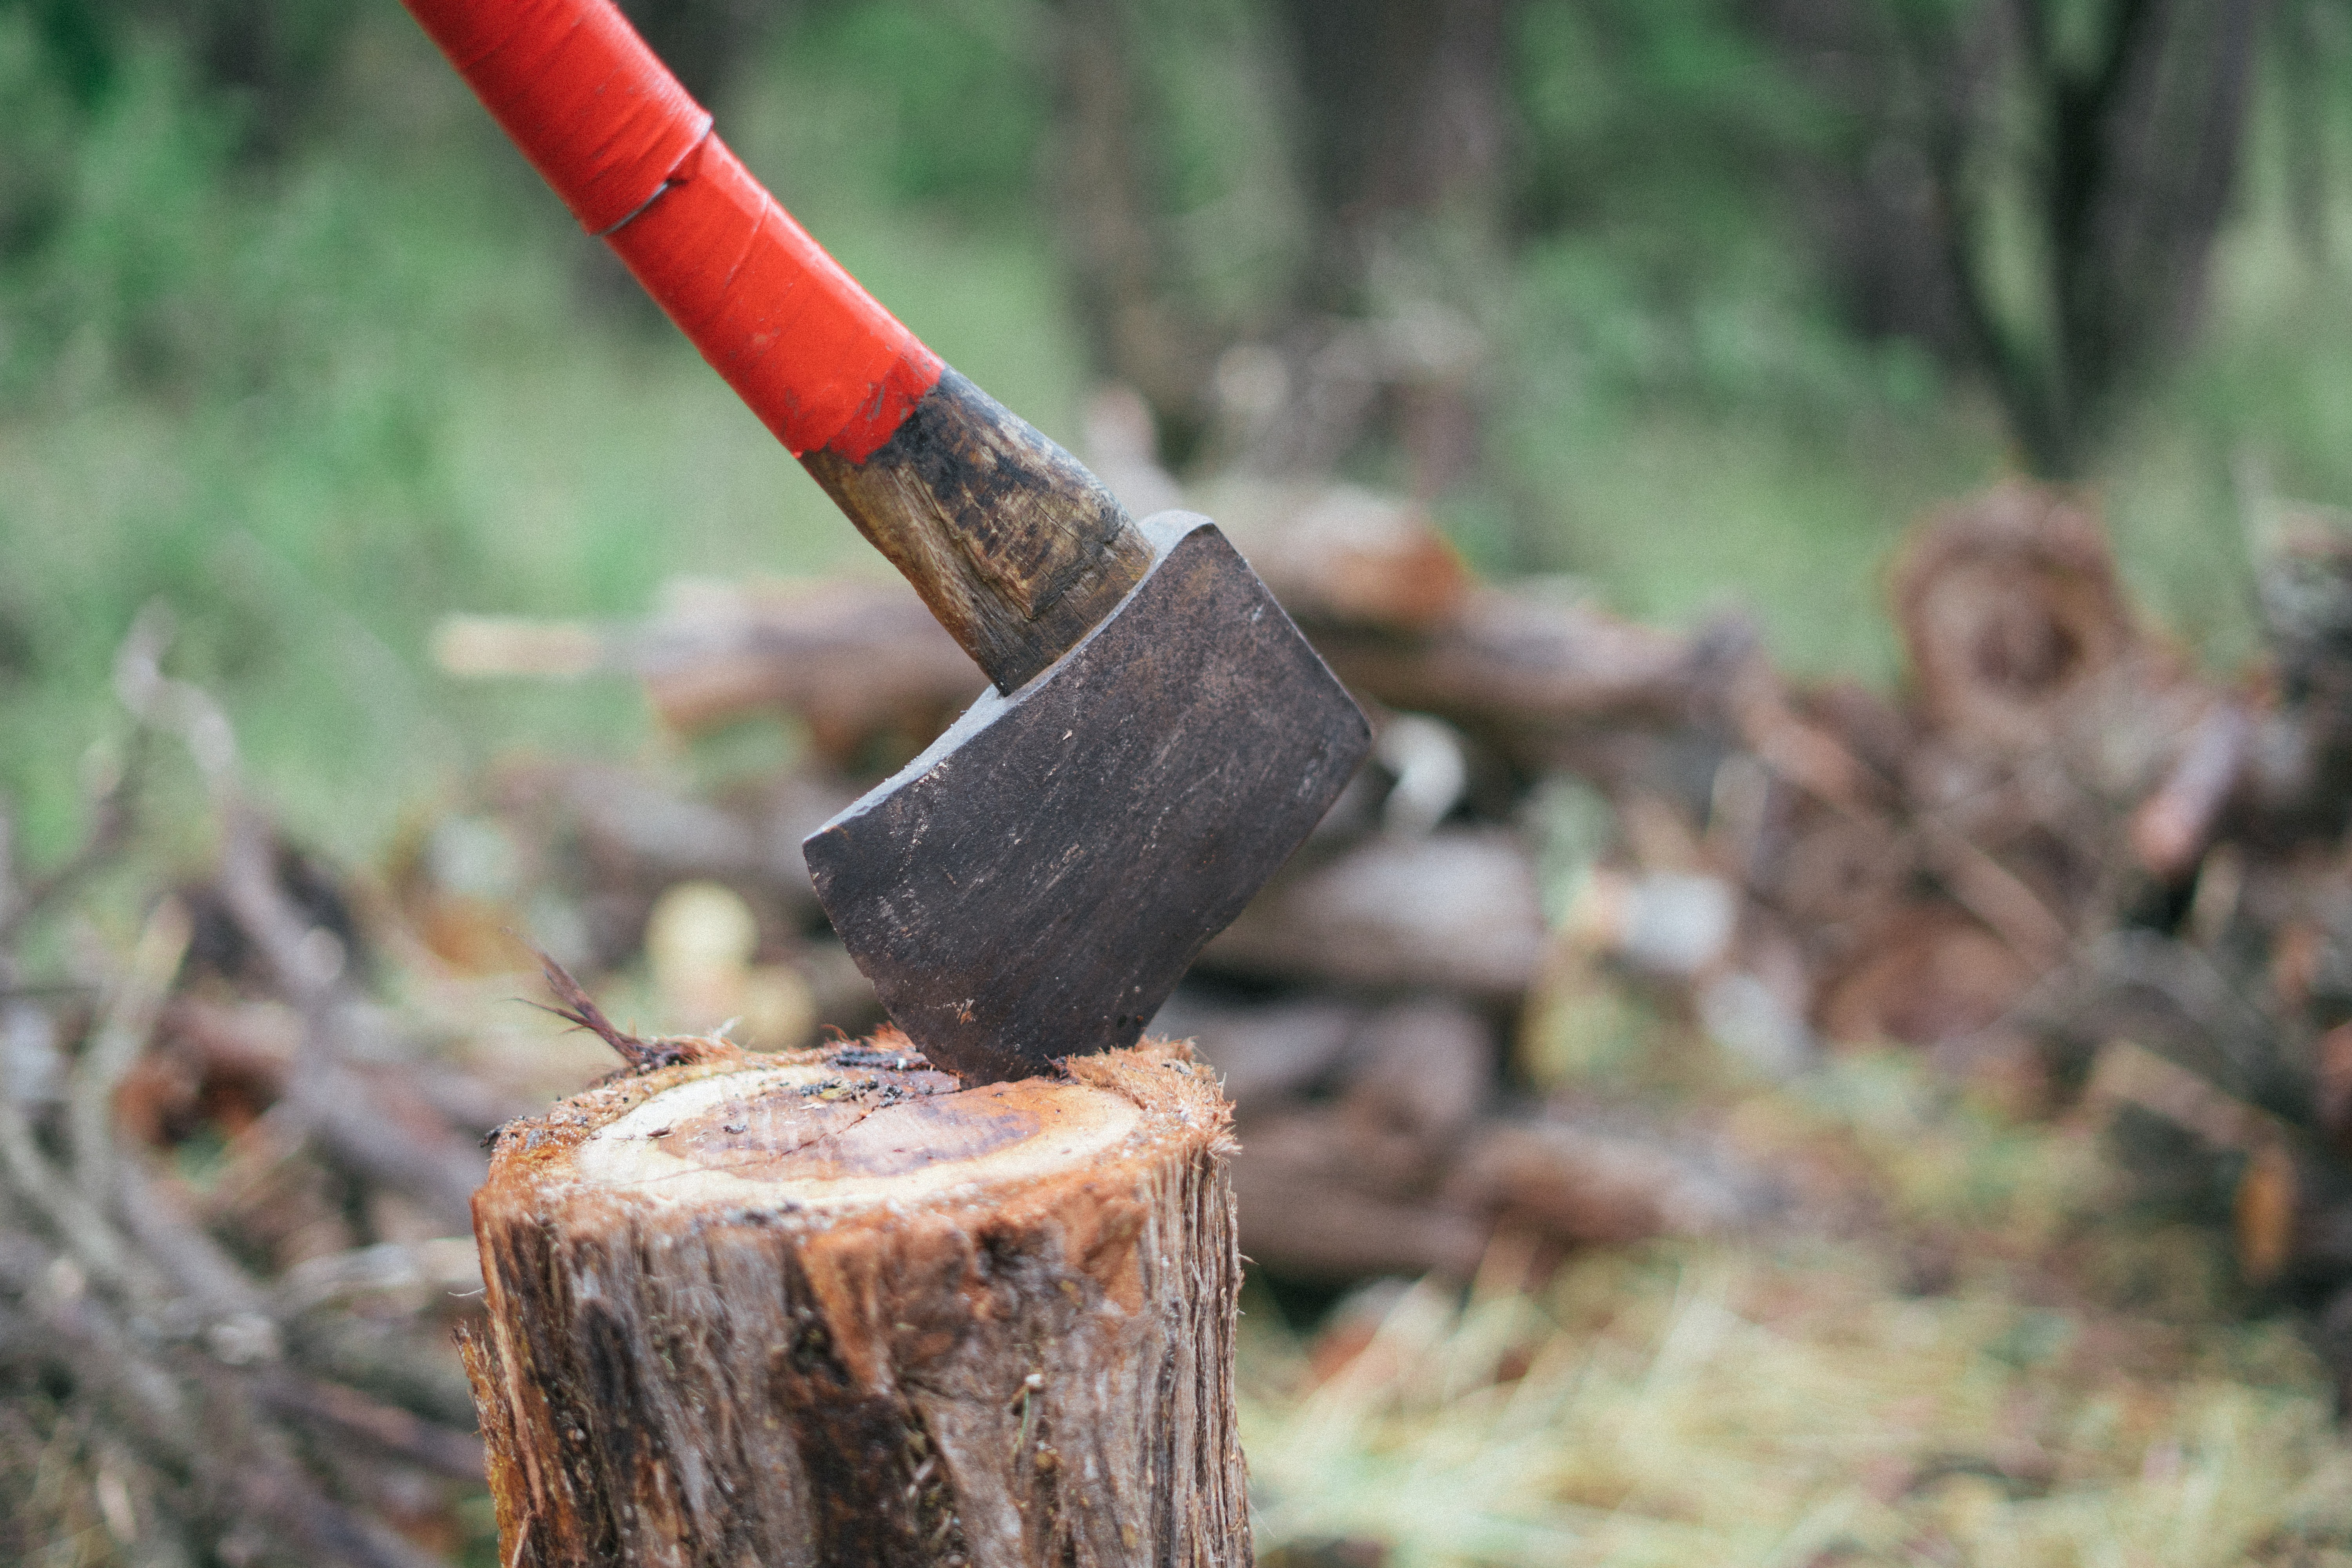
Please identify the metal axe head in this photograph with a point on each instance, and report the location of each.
(1031, 887)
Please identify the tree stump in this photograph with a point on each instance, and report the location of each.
(834, 1308)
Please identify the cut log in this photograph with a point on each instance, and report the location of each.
(1428, 1068)
(1536, 680)
(1338, 555)
(2008, 603)
(1325, 1201)
(1539, 679)
(1574, 1186)
(833, 1308)
(1457, 910)
(856, 659)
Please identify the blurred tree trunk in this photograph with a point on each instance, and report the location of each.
(1407, 128)
(2036, 187)
(1404, 103)
(1400, 118)
(1114, 224)
(2308, 38)
(2142, 140)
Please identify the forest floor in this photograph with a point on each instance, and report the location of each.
(1950, 1324)
(1958, 1342)
(1960, 1334)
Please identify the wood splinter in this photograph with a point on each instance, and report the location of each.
(834, 1308)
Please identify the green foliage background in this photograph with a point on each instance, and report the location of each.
(291, 341)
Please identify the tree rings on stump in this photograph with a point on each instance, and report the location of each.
(833, 1308)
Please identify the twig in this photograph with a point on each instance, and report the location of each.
(579, 1010)
(194, 1417)
(172, 707)
(71, 1216)
(330, 1100)
(111, 818)
(173, 1351)
(400, 1433)
(304, 969)
(449, 1262)
(2170, 829)
(1994, 894)
(243, 1327)
(1814, 759)
(2133, 1075)
(254, 1154)
(348, 1115)
(2209, 1016)
(121, 1036)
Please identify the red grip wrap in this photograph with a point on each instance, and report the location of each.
(571, 81)
(611, 130)
(816, 358)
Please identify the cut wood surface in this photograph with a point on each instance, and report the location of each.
(834, 1308)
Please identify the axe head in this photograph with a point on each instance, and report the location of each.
(1031, 887)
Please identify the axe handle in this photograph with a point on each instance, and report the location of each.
(1015, 547)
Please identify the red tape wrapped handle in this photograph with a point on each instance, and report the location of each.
(634, 157)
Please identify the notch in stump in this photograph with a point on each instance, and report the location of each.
(834, 1307)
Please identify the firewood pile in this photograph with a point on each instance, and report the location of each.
(1359, 1010)
(233, 1208)
(236, 1153)
(2061, 862)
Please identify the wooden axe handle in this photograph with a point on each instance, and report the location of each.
(1016, 548)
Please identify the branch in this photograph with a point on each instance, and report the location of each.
(110, 823)
(122, 1036)
(579, 1010)
(399, 1432)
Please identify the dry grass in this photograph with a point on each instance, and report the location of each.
(1957, 1367)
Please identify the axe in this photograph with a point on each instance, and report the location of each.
(1158, 738)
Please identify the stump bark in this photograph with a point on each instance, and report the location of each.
(834, 1308)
